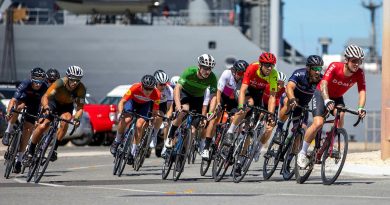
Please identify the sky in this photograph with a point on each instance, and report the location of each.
(307, 20)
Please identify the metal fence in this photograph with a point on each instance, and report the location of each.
(372, 135)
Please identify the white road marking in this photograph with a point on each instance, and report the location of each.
(87, 167)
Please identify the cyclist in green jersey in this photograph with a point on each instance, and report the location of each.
(189, 91)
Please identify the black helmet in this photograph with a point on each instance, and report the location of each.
(240, 66)
(148, 81)
(37, 73)
(52, 75)
(314, 60)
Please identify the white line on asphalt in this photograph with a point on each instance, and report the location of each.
(120, 189)
(44, 184)
(87, 167)
(331, 196)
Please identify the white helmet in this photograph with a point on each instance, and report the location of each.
(161, 76)
(354, 51)
(174, 80)
(74, 72)
(282, 77)
(206, 60)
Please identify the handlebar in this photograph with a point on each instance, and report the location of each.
(23, 112)
(354, 112)
(136, 114)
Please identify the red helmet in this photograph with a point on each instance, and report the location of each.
(267, 58)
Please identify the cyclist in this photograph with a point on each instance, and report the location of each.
(52, 75)
(60, 99)
(28, 93)
(300, 90)
(166, 102)
(256, 78)
(139, 98)
(225, 97)
(338, 78)
(190, 89)
(174, 81)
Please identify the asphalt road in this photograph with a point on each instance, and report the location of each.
(84, 176)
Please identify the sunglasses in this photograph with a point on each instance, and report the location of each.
(38, 82)
(316, 68)
(162, 84)
(356, 61)
(148, 89)
(74, 81)
(267, 65)
(241, 73)
(206, 68)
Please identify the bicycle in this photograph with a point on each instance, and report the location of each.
(332, 149)
(253, 131)
(180, 151)
(41, 157)
(15, 138)
(283, 150)
(123, 153)
(195, 145)
(221, 129)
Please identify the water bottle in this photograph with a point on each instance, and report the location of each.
(288, 139)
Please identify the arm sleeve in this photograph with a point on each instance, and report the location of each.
(222, 80)
(247, 76)
(329, 73)
(19, 93)
(51, 91)
(273, 81)
(206, 97)
(170, 92)
(129, 94)
(156, 100)
(183, 77)
(213, 86)
(80, 99)
(294, 77)
(361, 81)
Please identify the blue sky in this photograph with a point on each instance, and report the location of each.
(307, 20)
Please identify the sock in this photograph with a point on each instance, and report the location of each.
(155, 132)
(20, 157)
(31, 150)
(207, 143)
(280, 125)
(134, 150)
(56, 145)
(305, 146)
(118, 137)
(10, 127)
(232, 128)
(172, 131)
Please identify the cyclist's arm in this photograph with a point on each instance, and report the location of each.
(170, 109)
(362, 99)
(241, 96)
(45, 101)
(121, 104)
(11, 104)
(176, 94)
(290, 89)
(79, 113)
(213, 103)
(324, 89)
(271, 102)
(219, 93)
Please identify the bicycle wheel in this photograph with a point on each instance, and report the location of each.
(192, 153)
(44, 159)
(123, 154)
(34, 164)
(181, 154)
(143, 150)
(302, 174)
(11, 153)
(289, 161)
(332, 163)
(221, 163)
(168, 161)
(271, 158)
(247, 160)
(205, 164)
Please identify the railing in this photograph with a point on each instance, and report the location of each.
(36, 16)
(372, 129)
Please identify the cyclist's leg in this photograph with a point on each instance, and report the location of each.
(11, 122)
(339, 102)
(282, 117)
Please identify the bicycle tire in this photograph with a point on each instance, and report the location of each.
(167, 165)
(253, 146)
(33, 166)
(192, 153)
(143, 150)
(290, 157)
(327, 175)
(124, 153)
(220, 164)
(12, 151)
(271, 158)
(181, 153)
(205, 163)
(302, 174)
(117, 160)
(42, 167)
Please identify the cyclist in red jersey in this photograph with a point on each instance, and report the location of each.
(338, 78)
(139, 98)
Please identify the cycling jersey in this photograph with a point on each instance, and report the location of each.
(338, 83)
(304, 90)
(58, 92)
(227, 84)
(136, 93)
(278, 95)
(166, 95)
(254, 78)
(195, 86)
(25, 92)
(206, 99)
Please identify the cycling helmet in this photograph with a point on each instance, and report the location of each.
(148, 81)
(354, 51)
(52, 74)
(206, 60)
(267, 58)
(174, 80)
(74, 72)
(161, 76)
(314, 60)
(240, 66)
(282, 77)
(38, 73)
